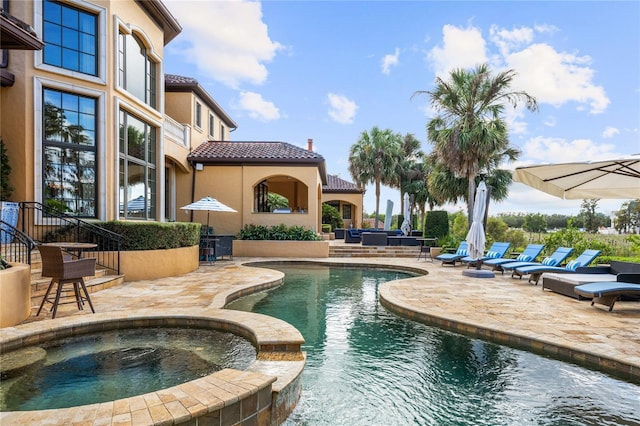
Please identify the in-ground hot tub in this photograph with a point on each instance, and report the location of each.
(229, 395)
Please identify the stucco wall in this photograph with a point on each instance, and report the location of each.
(265, 248)
(151, 264)
(15, 294)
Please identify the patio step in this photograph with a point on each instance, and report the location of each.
(39, 287)
(357, 250)
(39, 284)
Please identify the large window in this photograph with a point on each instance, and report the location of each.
(137, 180)
(137, 71)
(70, 37)
(69, 152)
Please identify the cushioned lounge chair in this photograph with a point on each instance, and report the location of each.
(452, 258)
(608, 293)
(536, 271)
(496, 251)
(530, 253)
(556, 258)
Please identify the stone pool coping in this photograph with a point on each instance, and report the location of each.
(226, 397)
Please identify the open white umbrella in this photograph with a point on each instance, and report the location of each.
(611, 179)
(210, 205)
(406, 223)
(476, 237)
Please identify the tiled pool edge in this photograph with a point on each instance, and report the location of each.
(254, 396)
(590, 360)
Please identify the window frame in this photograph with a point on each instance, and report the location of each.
(153, 213)
(197, 119)
(100, 146)
(101, 42)
(212, 127)
(152, 66)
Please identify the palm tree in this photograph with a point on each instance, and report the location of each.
(373, 159)
(407, 169)
(468, 134)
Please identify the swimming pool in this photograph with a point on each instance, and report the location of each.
(366, 366)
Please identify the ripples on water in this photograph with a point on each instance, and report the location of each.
(116, 364)
(366, 366)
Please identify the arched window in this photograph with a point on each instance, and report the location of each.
(137, 71)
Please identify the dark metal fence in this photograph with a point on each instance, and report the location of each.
(16, 246)
(46, 225)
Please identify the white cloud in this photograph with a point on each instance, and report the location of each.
(557, 78)
(390, 60)
(257, 107)
(610, 132)
(558, 150)
(461, 48)
(341, 109)
(226, 40)
(507, 40)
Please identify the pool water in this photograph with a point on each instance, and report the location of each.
(110, 365)
(366, 366)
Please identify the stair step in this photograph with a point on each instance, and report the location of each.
(93, 285)
(373, 251)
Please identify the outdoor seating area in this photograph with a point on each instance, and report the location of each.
(535, 271)
(565, 284)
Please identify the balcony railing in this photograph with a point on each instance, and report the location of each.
(176, 132)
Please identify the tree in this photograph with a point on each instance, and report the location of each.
(590, 219)
(535, 223)
(332, 216)
(628, 217)
(6, 189)
(468, 135)
(374, 159)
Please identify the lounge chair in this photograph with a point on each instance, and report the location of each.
(496, 251)
(608, 293)
(452, 258)
(536, 271)
(530, 253)
(556, 258)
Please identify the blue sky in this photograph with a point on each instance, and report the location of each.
(293, 70)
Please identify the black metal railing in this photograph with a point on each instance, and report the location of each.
(46, 225)
(15, 245)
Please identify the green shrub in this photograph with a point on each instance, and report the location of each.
(277, 232)
(517, 239)
(574, 238)
(154, 235)
(326, 228)
(460, 226)
(436, 224)
(331, 216)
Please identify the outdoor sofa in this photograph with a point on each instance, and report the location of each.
(565, 283)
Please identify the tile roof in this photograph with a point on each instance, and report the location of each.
(247, 152)
(335, 184)
(256, 153)
(179, 83)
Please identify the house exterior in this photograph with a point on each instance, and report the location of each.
(346, 197)
(241, 174)
(93, 125)
(83, 122)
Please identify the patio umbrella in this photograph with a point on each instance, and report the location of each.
(406, 227)
(475, 236)
(611, 179)
(136, 204)
(210, 205)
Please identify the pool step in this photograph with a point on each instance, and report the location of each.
(357, 250)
